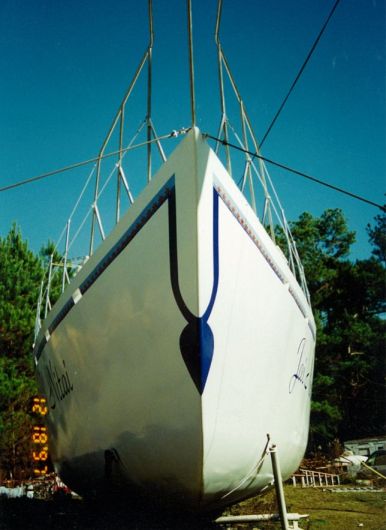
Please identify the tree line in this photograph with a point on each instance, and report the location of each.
(348, 299)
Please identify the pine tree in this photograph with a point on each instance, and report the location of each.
(20, 276)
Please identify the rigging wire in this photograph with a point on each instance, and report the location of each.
(173, 134)
(299, 73)
(206, 135)
(296, 172)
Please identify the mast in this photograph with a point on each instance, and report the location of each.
(191, 64)
(149, 83)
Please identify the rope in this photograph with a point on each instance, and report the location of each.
(252, 472)
(124, 151)
(299, 73)
(172, 134)
(82, 192)
(296, 172)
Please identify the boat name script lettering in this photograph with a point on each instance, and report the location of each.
(300, 376)
(59, 384)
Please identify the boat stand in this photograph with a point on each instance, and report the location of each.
(288, 521)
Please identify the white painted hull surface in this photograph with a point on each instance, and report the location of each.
(181, 343)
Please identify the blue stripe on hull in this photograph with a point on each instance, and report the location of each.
(196, 341)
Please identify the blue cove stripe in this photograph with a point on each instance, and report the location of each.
(39, 348)
(216, 267)
(196, 340)
(173, 258)
(60, 316)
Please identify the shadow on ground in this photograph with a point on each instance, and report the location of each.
(73, 514)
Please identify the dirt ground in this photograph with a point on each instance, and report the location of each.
(328, 509)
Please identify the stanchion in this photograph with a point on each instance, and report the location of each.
(279, 488)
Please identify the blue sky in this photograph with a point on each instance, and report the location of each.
(66, 64)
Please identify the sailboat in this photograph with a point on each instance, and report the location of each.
(183, 340)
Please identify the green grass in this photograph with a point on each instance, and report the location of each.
(328, 510)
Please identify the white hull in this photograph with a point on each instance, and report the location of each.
(146, 396)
